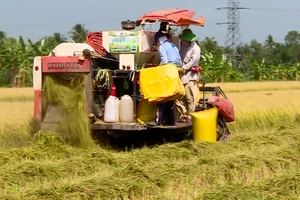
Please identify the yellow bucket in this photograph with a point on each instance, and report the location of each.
(205, 125)
(146, 112)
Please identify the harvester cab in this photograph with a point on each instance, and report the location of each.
(111, 61)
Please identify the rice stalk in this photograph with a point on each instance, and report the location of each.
(69, 95)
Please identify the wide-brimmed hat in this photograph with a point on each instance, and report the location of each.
(188, 35)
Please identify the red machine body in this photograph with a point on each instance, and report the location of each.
(225, 107)
(65, 64)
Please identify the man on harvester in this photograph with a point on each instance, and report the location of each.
(169, 53)
(165, 28)
(190, 54)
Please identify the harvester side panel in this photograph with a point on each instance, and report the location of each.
(48, 65)
(225, 107)
(65, 64)
(37, 87)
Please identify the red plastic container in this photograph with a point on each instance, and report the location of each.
(113, 91)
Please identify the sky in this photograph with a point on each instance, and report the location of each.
(37, 18)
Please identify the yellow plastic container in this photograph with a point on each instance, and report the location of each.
(146, 112)
(205, 125)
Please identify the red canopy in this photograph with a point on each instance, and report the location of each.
(179, 17)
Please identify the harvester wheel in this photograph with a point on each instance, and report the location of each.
(223, 133)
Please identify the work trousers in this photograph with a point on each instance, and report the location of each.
(166, 108)
(187, 103)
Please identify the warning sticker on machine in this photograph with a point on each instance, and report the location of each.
(123, 41)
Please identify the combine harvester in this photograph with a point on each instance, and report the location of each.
(112, 59)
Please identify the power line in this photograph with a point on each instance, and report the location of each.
(276, 9)
(265, 9)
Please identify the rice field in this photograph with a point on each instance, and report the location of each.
(260, 162)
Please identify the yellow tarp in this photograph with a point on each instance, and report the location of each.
(161, 83)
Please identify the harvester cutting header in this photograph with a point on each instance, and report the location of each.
(125, 80)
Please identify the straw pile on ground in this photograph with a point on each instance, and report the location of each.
(69, 95)
(259, 165)
(260, 162)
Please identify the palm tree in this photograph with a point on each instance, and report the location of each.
(54, 40)
(269, 42)
(59, 38)
(2, 35)
(78, 33)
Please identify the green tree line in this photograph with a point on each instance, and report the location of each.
(16, 55)
(268, 61)
(271, 60)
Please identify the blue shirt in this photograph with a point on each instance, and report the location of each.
(169, 53)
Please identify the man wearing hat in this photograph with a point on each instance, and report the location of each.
(165, 28)
(190, 54)
(169, 53)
